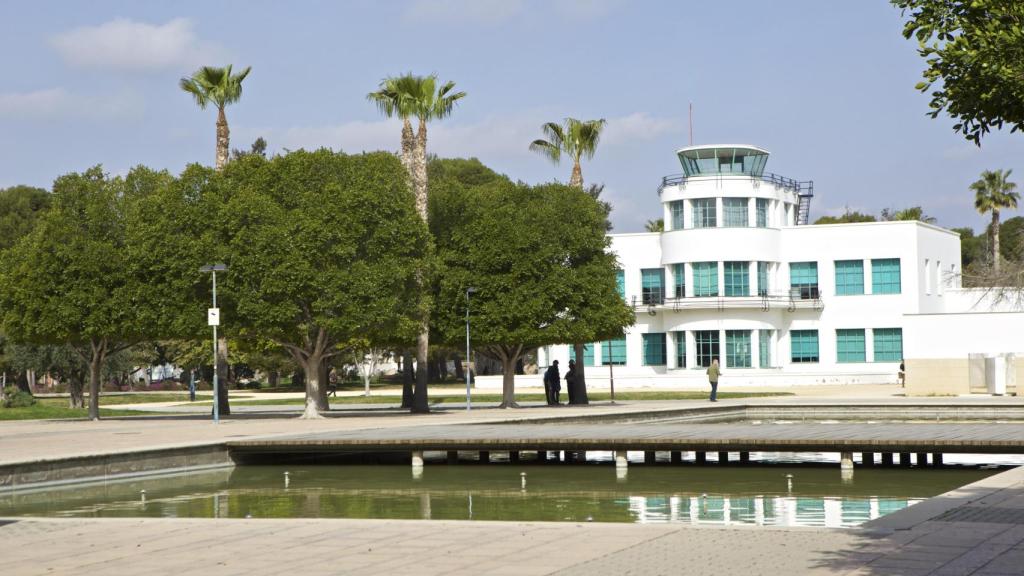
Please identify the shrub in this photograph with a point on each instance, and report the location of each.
(15, 397)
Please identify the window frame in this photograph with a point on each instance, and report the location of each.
(704, 290)
(732, 216)
(847, 274)
(847, 350)
(732, 286)
(646, 340)
(704, 213)
(799, 340)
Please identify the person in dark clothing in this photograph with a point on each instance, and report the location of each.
(552, 383)
(570, 381)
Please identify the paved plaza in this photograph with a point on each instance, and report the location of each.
(978, 529)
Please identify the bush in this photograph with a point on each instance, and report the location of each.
(15, 397)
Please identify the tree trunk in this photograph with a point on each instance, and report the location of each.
(508, 358)
(577, 175)
(408, 146)
(314, 403)
(408, 376)
(99, 352)
(579, 393)
(324, 378)
(22, 382)
(223, 405)
(995, 242)
(420, 402)
(460, 374)
(223, 139)
(273, 377)
(76, 392)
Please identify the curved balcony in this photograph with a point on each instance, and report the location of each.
(795, 299)
(802, 188)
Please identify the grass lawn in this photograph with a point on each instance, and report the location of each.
(594, 396)
(50, 408)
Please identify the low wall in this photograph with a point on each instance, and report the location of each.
(103, 467)
(937, 377)
(695, 379)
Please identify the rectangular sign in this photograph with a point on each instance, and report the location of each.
(213, 316)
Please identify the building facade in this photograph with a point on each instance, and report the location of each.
(739, 275)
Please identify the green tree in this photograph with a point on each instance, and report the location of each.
(994, 192)
(974, 51)
(20, 209)
(846, 217)
(217, 86)
(1011, 239)
(912, 213)
(577, 139)
(406, 97)
(655, 225)
(71, 281)
(323, 248)
(972, 247)
(528, 252)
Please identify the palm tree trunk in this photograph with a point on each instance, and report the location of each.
(408, 148)
(995, 241)
(577, 175)
(223, 139)
(419, 186)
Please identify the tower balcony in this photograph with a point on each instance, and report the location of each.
(802, 298)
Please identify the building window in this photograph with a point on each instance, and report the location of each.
(803, 345)
(679, 280)
(761, 211)
(737, 349)
(614, 351)
(676, 208)
(704, 213)
(888, 344)
(705, 278)
(620, 283)
(652, 285)
(803, 279)
(849, 277)
(734, 212)
(588, 354)
(762, 278)
(764, 346)
(850, 346)
(885, 276)
(707, 346)
(654, 349)
(680, 338)
(737, 278)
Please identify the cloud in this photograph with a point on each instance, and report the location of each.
(586, 9)
(487, 12)
(639, 126)
(492, 137)
(124, 44)
(59, 103)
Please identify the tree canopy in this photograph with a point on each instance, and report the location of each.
(537, 258)
(20, 209)
(974, 52)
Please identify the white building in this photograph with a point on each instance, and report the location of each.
(738, 275)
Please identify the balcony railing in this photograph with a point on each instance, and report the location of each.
(802, 298)
(801, 188)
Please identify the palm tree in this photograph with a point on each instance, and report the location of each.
(994, 192)
(220, 87)
(655, 225)
(574, 138)
(406, 97)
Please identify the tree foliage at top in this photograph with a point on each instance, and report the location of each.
(219, 87)
(847, 217)
(322, 248)
(20, 209)
(537, 257)
(577, 139)
(974, 52)
(994, 192)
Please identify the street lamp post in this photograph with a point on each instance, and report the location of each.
(469, 367)
(213, 319)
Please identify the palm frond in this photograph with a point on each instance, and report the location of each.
(553, 153)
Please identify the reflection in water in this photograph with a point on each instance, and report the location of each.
(756, 495)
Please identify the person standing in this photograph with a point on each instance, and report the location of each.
(714, 372)
(552, 384)
(570, 381)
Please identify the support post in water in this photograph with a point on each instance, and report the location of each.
(513, 456)
(676, 457)
(886, 458)
(723, 457)
(904, 458)
(867, 458)
(701, 457)
(485, 457)
(936, 458)
(922, 458)
(650, 457)
(621, 462)
(846, 460)
(417, 459)
(745, 457)
(453, 456)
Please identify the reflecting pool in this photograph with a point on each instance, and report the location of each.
(756, 495)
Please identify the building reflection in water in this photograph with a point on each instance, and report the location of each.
(825, 512)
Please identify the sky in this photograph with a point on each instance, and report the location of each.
(826, 86)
